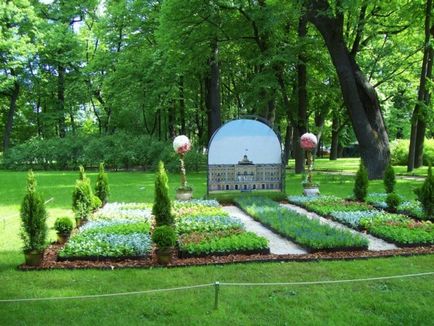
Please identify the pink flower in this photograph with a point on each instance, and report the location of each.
(308, 141)
(181, 144)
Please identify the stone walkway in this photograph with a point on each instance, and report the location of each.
(278, 244)
(375, 244)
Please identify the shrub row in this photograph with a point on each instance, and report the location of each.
(117, 151)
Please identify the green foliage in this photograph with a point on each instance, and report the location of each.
(102, 189)
(162, 208)
(120, 150)
(63, 225)
(164, 236)
(389, 179)
(393, 200)
(33, 217)
(425, 194)
(360, 189)
(399, 151)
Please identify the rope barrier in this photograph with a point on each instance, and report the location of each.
(92, 296)
(330, 281)
(217, 286)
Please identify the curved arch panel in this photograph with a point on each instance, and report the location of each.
(244, 155)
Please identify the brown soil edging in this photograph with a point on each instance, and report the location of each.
(50, 259)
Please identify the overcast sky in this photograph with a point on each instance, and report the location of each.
(244, 136)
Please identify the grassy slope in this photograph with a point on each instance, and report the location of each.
(386, 302)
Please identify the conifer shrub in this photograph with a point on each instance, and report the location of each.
(389, 179)
(393, 201)
(102, 189)
(164, 236)
(425, 194)
(361, 183)
(33, 217)
(162, 208)
(63, 225)
(83, 201)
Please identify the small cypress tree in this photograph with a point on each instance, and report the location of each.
(389, 179)
(361, 184)
(82, 196)
(425, 194)
(162, 208)
(102, 189)
(33, 216)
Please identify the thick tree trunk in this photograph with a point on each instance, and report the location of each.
(10, 117)
(359, 96)
(61, 101)
(212, 88)
(301, 126)
(416, 147)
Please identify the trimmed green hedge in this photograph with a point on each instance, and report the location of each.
(118, 151)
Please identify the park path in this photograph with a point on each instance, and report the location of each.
(375, 244)
(278, 245)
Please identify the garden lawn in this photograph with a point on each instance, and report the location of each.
(351, 165)
(398, 301)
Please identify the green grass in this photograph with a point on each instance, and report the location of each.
(351, 165)
(399, 301)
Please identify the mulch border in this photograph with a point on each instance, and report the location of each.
(50, 259)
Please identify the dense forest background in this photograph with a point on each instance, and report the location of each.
(115, 81)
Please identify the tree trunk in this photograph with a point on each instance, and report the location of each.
(421, 124)
(416, 149)
(10, 117)
(359, 95)
(212, 88)
(335, 139)
(182, 104)
(171, 120)
(61, 101)
(301, 126)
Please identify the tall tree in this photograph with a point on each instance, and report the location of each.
(359, 95)
(418, 124)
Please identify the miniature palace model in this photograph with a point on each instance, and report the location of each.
(245, 155)
(244, 176)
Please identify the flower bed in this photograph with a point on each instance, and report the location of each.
(397, 228)
(108, 239)
(400, 229)
(299, 228)
(130, 211)
(206, 229)
(411, 208)
(200, 244)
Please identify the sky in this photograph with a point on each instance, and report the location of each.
(245, 137)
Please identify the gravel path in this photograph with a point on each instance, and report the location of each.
(278, 244)
(375, 244)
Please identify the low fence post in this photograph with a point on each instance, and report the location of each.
(216, 295)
